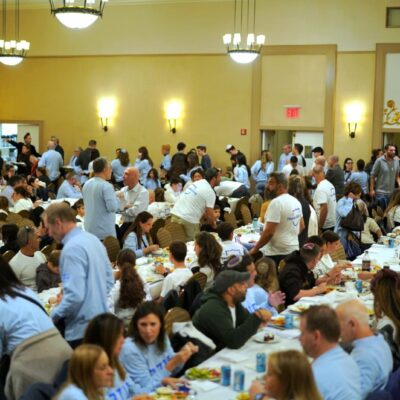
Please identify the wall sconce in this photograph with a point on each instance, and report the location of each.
(106, 111)
(353, 116)
(173, 111)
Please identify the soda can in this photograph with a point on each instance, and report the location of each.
(391, 243)
(289, 321)
(238, 381)
(226, 375)
(359, 285)
(261, 362)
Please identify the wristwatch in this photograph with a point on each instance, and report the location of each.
(259, 396)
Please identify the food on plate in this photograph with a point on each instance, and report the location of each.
(279, 321)
(243, 396)
(299, 308)
(167, 393)
(268, 337)
(210, 374)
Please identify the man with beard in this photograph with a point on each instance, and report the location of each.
(384, 174)
(222, 317)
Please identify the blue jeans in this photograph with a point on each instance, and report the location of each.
(382, 200)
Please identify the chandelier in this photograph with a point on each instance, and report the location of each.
(78, 16)
(12, 52)
(246, 51)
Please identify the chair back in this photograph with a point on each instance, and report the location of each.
(246, 214)
(200, 278)
(339, 254)
(25, 222)
(177, 231)
(168, 220)
(8, 255)
(255, 204)
(25, 214)
(238, 212)
(113, 247)
(175, 314)
(3, 216)
(158, 223)
(48, 249)
(164, 237)
(230, 217)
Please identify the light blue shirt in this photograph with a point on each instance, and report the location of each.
(186, 178)
(8, 192)
(101, 203)
(256, 298)
(66, 190)
(152, 184)
(87, 278)
(72, 392)
(283, 160)
(144, 167)
(122, 389)
(166, 163)
(131, 243)
(375, 362)
(118, 169)
(241, 175)
(52, 160)
(259, 174)
(343, 207)
(337, 376)
(361, 178)
(20, 319)
(146, 365)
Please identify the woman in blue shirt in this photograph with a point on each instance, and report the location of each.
(152, 181)
(137, 238)
(119, 165)
(143, 163)
(261, 170)
(241, 171)
(147, 354)
(88, 373)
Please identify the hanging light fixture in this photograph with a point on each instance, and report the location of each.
(12, 52)
(247, 51)
(78, 16)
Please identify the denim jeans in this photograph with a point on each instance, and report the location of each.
(382, 200)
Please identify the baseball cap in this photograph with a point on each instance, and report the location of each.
(226, 279)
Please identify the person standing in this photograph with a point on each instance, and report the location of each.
(205, 158)
(27, 142)
(261, 170)
(52, 161)
(178, 162)
(100, 200)
(58, 148)
(285, 156)
(234, 152)
(384, 175)
(165, 165)
(88, 155)
(143, 163)
(335, 175)
(86, 273)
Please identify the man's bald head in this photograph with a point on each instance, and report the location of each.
(131, 177)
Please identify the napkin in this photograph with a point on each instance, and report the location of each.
(142, 261)
(234, 357)
(204, 386)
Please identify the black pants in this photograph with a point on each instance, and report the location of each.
(328, 229)
(4, 368)
(75, 343)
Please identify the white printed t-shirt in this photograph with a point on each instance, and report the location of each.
(175, 279)
(193, 201)
(325, 193)
(285, 210)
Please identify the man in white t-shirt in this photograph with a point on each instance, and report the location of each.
(324, 200)
(181, 274)
(293, 164)
(229, 247)
(197, 200)
(25, 262)
(231, 189)
(284, 221)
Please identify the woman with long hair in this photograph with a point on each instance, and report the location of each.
(89, 373)
(289, 377)
(261, 170)
(348, 169)
(385, 287)
(137, 238)
(21, 199)
(392, 212)
(208, 252)
(147, 354)
(119, 165)
(152, 181)
(107, 331)
(143, 163)
(241, 171)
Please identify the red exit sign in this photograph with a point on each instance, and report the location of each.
(292, 112)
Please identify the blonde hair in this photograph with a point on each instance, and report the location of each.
(267, 276)
(81, 369)
(295, 376)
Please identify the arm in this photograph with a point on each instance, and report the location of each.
(374, 173)
(323, 212)
(209, 214)
(254, 169)
(141, 203)
(42, 161)
(110, 198)
(266, 236)
(131, 243)
(344, 206)
(321, 288)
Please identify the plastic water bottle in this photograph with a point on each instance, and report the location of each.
(255, 222)
(366, 262)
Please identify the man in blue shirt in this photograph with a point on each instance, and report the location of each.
(371, 353)
(52, 161)
(86, 273)
(100, 200)
(70, 188)
(285, 156)
(335, 372)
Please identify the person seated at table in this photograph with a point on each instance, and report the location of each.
(41, 173)
(229, 247)
(370, 228)
(335, 372)
(208, 252)
(137, 237)
(89, 373)
(392, 212)
(21, 199)
(222, 317)
(195, 175)
(37, 189)
(48, 274)
(217, 216)
(152, 181)
(9, 234)
(241, 172)
(107, 331)
(385, 288)
(180, 275)
(79, 207)
(267, 276)
(147, 354)
(173, 190)
(289, 376)
(296, 278)
(371, 353)
(70, 188)
(256, 296)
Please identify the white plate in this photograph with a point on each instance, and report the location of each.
(259, 338)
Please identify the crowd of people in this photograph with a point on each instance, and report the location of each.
(104, 335)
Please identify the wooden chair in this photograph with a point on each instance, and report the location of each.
(164, 237)
(239, 204)
(112, 246)
(158, 223)
(8, 255)
(52, 195)
(199, 277)
(246, 214)
(339, 254)
(168, 220)
(25, 214)
(177, 231)
(230, 217)
(175, 314)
